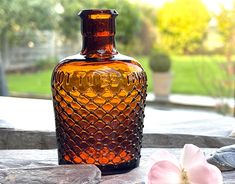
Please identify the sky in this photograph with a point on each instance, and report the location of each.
(212, 5)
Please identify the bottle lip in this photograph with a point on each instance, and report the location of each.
(88, 13)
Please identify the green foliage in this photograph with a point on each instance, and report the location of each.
(159, 61)
(226, 23)
(48, 63)
(145, 39)
(69, 24)
(226, 27)
(225, 84)
(20, 19)
(24, 16)
(182, 25)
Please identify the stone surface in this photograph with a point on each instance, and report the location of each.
(35, 114)
(22, 159)
(4, 124)
(69, 174)
(179, 140)
(27, 114)
(33, 124)
(229, 177)
(232, 134)
(12, 139)
(27, 158)
(224, 158)
(220, 126)
(193, 100)
(40, 166)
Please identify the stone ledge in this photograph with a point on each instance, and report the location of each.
(52, 174)
(12, 139)
(22, 159)
(179, 140)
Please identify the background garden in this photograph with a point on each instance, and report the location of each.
(199, 41)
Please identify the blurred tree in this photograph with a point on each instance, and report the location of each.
(20, 17)
(182, 25)
(146, 37)
(69, 25)
(226, 27)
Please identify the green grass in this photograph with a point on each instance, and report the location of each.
(194, 75)
(186, 71)
(191, 74)
(30, 83)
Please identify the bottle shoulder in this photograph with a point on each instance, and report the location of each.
(82, 58)
(118, 62)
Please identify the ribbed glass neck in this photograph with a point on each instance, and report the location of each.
(98, 31)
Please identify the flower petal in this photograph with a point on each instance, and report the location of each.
(164, 172)
(164, 155)
(192, 155)
(205, 174)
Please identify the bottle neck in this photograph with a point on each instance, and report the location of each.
(98, 31)
(98, 46)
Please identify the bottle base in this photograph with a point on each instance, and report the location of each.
(118, 169)
(112, 169)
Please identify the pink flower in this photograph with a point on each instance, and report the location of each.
(192, 168)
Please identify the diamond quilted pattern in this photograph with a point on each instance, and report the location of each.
(100, 128)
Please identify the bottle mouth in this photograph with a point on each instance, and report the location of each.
(98, 13)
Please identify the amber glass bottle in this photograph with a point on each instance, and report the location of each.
(99, 99)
